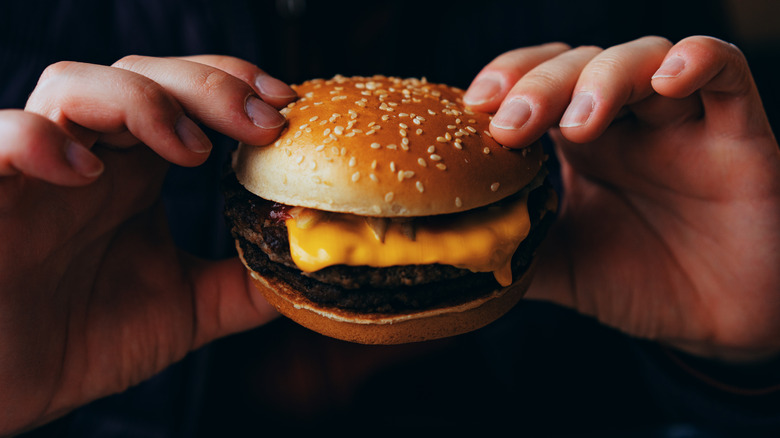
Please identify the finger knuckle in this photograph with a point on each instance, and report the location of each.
(656, 40)
(55, 70)
(128, 62)
(21, 129)
(212, 81)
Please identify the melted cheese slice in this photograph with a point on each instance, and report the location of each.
(480, 241)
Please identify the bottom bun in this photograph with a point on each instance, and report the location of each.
(390, 328)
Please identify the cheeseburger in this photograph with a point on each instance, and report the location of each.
(386, 213)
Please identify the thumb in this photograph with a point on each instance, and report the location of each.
(226, 301)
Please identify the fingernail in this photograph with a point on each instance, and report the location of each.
(262, 114)
(578, 112)
(82, 160)
(671, 68)
(482, 90)
(273, 87)
(513, 114)
(191, 135)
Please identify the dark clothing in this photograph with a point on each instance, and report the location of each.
(539, 371)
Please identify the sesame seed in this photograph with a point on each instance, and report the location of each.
(432, 112)
(431, 149)
(419, 131)
(371, 124)
(392, 147)
(385, 117)
(322, 122)
(338, 130)
(373, 178)
(373, 165)
(419, 186)
(421, 162)
(297, 134)
(350, 134)
(488, 134)
(458, 202)
(441, 166)
(314, 119)
(299, 159)
(403, 125)
(392, 166)
(304, 107)
(441, 139)
(471, 129)
(486, 150)
(319, 148)
(402, 132)
(447, 136)
(352, 162)
(494, 187)
(355, 176)
(408, 174)
(458, 121)
(375, 145)
(458, 146)
(451, 127)
(400, 175)
(435, 157)
(371, 132)
(405, 141)
(389, 197)
(403, 115)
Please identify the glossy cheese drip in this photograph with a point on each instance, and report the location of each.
(481, 241)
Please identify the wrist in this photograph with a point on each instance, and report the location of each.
(745, 375)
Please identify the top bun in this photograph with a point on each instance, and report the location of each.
(383, 146)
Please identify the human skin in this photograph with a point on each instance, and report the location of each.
(94, 295)
(668, 229)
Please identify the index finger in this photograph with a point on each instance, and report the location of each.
(217, 99)
(271, 90)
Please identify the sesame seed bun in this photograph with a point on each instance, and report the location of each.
(389, 147)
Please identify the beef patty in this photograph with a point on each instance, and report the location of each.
(259, 227)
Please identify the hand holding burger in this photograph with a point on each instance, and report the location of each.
(668, 223)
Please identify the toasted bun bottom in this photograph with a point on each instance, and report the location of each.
(390, 329)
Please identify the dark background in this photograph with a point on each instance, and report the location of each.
(540, 371)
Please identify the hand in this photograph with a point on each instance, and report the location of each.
(94, 296)
(668, 228)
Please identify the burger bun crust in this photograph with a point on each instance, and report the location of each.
(380, 146)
